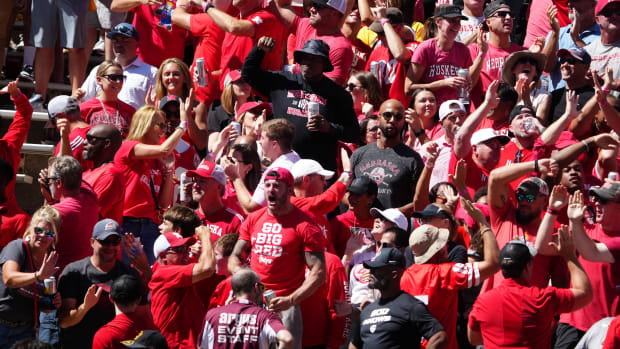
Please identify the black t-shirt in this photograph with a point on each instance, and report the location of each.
(396, 171)
(399, 322)
(17, 304)
(218, 118)
(290, 94)
(558, 101)
(75, 280)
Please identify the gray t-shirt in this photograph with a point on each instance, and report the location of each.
(605, 56)
(396, 171)
(468, 27)
(17, 304)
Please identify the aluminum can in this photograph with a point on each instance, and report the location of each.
(236, 126)
(313, 108)
(463, 93)
(50, 285)
(199, 71)
(268, 295)
(183, 180)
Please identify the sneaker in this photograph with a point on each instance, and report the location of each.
(27, 73)
(37, 102)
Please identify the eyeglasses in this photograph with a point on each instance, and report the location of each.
(529, 197)
(372, 129)
(39, 231)
(177, 250)
(115, 77)
(388, 115)
(569, 60)
(351, 86)
(48, 179)
(502, 14)
(113, 241)
(93, 139)
(261, 287)
(610, 11)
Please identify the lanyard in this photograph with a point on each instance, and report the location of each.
(115, 123)
(34, 287)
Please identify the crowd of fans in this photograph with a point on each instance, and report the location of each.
(325, 174)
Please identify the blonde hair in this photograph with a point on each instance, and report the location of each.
(45, 213)
(103, 67)
(228, 99)
(188, 83)
(142, 122)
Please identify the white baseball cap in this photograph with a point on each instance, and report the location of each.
(305, 167)
(391, 214)
(450, 106)
(486, 134)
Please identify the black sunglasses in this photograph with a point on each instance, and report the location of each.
(115, 77)
(351, 86)
(502, 14)
(92, 139)
(598, 199)
(115, 241)
(388, 115)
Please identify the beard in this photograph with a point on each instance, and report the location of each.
(379, 284)
(525, 218)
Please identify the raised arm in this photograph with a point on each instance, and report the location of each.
(476, 66)
(462, 141)
(316, 263)
(580, 283)
(551, 48)
(552, 133)
(243, 193)
(230, 24)
(284, 12)
(127, 5)
(420, 198)
(394, 42)
(71, 314)
(557, 200)
(588, 249)
(572, 152)
(490, 264)
(239, 255)
(206, 262)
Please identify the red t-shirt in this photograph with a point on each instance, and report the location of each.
(361, 51)
(502, 127)
(389, 72)
(12, 141)
(612, 340)
(231, 200)
(123, 327)
(80, 212)
(340, 52)
(156, 42)
(436, 285)
(76, 139)
(235, 47)
(440, 65)
(515, 314)
(14, 222)
(476, 177)
(209, 47)
(185, 156)
(604, 278)
(221, 295)
(345, 225)
(492, 65)
(221, 222)
(117, 113)
(138, 197)
(321, 325)
(206, 287)
(278, 247)
(108, 183)
(177, 309)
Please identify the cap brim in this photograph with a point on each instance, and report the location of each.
(507, 75)
(357, 190)
(326, 173)
(602, 193)
(374, 265)
(106, 235)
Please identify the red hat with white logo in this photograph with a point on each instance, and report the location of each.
(208, 169)
(171, 240)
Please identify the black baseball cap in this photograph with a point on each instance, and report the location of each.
(147, 339)
(431, 210)
(386, 256)
(449, 11)
(518, 252)
(520, 109)
(363, 185)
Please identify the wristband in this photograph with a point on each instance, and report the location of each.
(552, 211)
(605, 89)
(482, 54)
(347, 173)
(536, 169)
(182, 125)
(384, 20)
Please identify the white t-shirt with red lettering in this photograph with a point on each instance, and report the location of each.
(278, 247)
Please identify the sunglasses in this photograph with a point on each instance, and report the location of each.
(114, 241)
(48, 179)
(388, 115)
(93, 139)
(115, 77)
(502, 14)
(351, 86)
(529, 197)
(39, 231)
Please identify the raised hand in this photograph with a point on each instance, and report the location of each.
(558, 198)
(491, 97)
(92, 296)
(266, 44)
(576, 207)
(549, 167)
(474, 212)
(460, 175)
(149, 99)
(565, 246)
(48, 267)
(11, 89)
(552, 16)
(572, 99)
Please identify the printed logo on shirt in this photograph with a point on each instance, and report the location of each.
(445, 70)
(237, 328)
(257, 20)
(378, 316)
(385, 72)
(381, 171)
(267, 243)
(215, 229)
(299, 106)
(495, 63)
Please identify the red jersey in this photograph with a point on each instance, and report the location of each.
(436, 285)
(160, 43)
(340, 52)
(96, 111)
(221, 222)
(123, 327)
(604, 278)
(14, 222)
(502, 127)
(613, 334)
(13, 140)
(222, 294)
(209, 47)
(388, 70)
(185, 156)
(77, 136)
(515, 314)
(206, 287)
(231, 200)
(278, 247)
(138, 201)
(361, 52)
(108, 183)
(177, 309)
(345, 225)
(476, 177)
(235, 47)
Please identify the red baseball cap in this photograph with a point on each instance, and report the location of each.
(232, 76)
(600, 5)
(171, 240)
(280, 174)
(247, 106)
(208, 169)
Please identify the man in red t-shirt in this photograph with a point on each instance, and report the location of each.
(324, 24)
(281, 241)
(242, 34)
(13, 221)
(435, 282)
(176, 306)
(517, 314)
(125, 293)
(64, 113)
(209, 182)
(108, 182)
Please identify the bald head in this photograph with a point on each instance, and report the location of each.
(392, 119)
(244, 281)
(391, 104)
(102, 143)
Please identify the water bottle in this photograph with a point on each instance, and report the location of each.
(463, 92)
(529, 126)
(184, 180)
